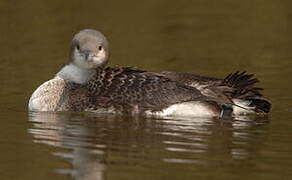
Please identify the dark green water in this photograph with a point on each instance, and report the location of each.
(201, 36)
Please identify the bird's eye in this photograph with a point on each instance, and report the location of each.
(77, 47)
(100, 48)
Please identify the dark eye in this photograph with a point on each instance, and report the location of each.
(100, 48)
(77, 47)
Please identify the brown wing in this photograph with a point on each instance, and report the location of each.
(210, 87)
(127, 88)
(189, 78)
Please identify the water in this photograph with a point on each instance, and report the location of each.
(206, 37)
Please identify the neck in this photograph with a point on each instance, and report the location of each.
(73, 73)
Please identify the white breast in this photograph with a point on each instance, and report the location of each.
(47, 96)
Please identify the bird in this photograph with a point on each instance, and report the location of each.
(86, 84)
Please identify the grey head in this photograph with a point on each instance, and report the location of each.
(89, 49)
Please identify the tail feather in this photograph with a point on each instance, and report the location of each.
(242, 87)
(261, 105)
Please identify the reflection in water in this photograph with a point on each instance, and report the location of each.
(64, 130)
(94, 144)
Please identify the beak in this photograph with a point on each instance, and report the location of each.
(87, 54)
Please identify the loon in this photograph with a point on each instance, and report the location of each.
(85, 84)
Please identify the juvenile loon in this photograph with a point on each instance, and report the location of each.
(85, 84)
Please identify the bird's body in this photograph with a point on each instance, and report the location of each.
(86, 85)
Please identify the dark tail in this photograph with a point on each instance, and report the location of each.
(242, 87)
(261, 105)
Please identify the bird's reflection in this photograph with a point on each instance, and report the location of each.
(79, 138)
(91, 143)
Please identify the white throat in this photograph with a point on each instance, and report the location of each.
(73, 73)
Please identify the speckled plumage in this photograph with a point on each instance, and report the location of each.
(130, 90)
(49, 96)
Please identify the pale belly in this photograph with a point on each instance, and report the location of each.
(187, 109)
